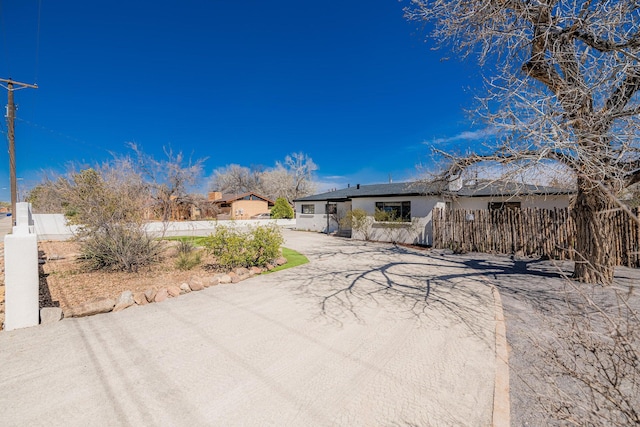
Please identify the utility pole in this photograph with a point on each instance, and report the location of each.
(11, 115)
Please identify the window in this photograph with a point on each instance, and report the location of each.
(393, 211)
(308, 209)
(494, 206)
(331, 208)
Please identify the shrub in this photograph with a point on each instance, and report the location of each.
(282, 209)
(265, 244)
(107, 205)
(234, 248)
(118, 248)
(188, 260)
(359, 221)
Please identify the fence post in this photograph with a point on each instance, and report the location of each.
(22, 308)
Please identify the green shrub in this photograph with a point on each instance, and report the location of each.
(264, 243)
(188, 260)
(282, 209)
(235, 248)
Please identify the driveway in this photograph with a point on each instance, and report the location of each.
(365, 334)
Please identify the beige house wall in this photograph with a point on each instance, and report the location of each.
(245, 209)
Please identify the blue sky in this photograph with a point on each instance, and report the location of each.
(351, 83)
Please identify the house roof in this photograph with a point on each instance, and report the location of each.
(228, 198)
(488, 188)
(376, 190)
(474, 189)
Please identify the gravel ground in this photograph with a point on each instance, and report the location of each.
(364, 334)
(538, 302)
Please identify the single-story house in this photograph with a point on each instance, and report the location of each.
(240, 206)
(412, 204)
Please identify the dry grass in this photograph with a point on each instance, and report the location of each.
(64, 282)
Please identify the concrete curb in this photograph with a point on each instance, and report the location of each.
(501, 402)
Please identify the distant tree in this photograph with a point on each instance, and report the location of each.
(290, 179)
(563, 86)
(168, 179)
(301, 168)
(282, 209)
(236, 179)
(46, 197)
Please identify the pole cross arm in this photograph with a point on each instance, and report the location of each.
(11, 82)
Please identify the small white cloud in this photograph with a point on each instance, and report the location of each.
(467, 135)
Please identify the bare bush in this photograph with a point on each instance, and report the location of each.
(593, 365)
(108, 206)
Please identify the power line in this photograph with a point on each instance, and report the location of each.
(38, 42)
(4, 39)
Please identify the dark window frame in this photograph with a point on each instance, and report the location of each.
(401, 210)
(496, 206)
(308, 209)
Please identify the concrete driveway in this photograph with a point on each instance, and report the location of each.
(365, 334)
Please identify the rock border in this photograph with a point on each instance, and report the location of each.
(128, 299)
(151, 295)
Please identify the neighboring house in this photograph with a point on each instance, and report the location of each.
(414, 202)
(239, 206)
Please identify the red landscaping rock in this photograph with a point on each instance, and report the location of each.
(150, 294)
(196, 285)
(103, 305)
(173, 290)
(161, 295)
(140, 298)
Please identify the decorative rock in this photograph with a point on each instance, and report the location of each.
(161, 295)
(244, 276)
(140, 298)
(225, 278)
(241, 271)
(255, 270)
(173, 290)
(196, 285)
(234, 277)
(125, 300)
(54, 257)
(212, 281)
(269, 267)
(150, 294)
(184, 288)
(102, 305)
(50, 315)
(280, 261)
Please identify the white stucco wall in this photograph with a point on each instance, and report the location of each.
(55, 227)
(541, 202)
(421, 228)
(419, 231)
(316, 221)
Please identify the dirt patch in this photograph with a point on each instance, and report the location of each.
(64, 282)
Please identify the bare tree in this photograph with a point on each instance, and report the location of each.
(290, 179)
(236, 179)
(563, 87)
(300, 168)
(169, 179)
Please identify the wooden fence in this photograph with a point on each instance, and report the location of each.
(528, 232)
